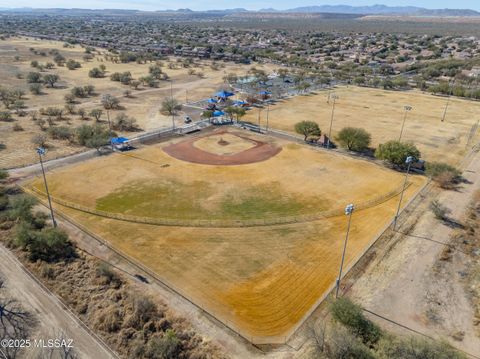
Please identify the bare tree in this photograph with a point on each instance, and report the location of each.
(15, 322)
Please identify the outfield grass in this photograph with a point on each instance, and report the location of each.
(261, 281)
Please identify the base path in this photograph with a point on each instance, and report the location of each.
(47, 308)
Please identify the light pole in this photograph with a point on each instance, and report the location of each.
(41, 152)
(172, 104)
(407, 110)
(259, 110)
(448, 103)
(348, 211)
(268, 111)
(334, 97)
(409, 162)
(109, 129)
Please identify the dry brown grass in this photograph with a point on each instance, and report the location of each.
(143, 105)
(381, 113)
(259, 280)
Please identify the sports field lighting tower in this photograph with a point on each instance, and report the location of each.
(409, 162)
(41, 152)
(110, 132)
(334, 97)
(407, 109)
(173, 110)
(348, 211)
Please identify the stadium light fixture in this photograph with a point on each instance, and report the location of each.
(348, 212)
(41, 152)
(409, 160)
(407, 109)
(334, 98)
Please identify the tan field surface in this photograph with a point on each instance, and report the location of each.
(143, 104)
(381, 114)
(259, 280)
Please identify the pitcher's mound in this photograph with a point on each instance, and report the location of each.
(222, 148)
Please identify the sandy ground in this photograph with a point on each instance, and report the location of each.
(260, 281)
(410, 287)
(143, 105)
(52, 317)
(381, 113)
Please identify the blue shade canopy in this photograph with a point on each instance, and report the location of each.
(264, 93)
(224, 94)
(238, 103)
(119, 140)
(218, 113)
(211, 100)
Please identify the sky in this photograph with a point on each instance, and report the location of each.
(226, 4)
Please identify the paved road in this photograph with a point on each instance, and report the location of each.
(49, 311)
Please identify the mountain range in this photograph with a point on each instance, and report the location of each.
(332, 9)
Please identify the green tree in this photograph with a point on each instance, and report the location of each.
(351, 316)
(307, 129)
(396, 152)
(170, 106)
(34, 77)
(51, 79)
(96, 113)
(110, 102)
(354, 139)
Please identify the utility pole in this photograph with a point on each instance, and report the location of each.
(448, 103)
(41, 152)
(409, 162)
(259, 110)
(173, 110)
(348, 211)
(268, 112)
(407, 110)
(109, 130)
(334, 97)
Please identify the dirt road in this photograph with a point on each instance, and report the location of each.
(408, 285)
(52, 316)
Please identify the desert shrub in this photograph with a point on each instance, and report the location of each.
(49, 245)
(21, 208)
(124, 123)
(444, 174)
(351, 316)
(343, 344)
(3, 174)
(36, 89)
(109, 320)
(439, 210)
(96, 73)
(39, 140)
(166, 347)
(105, 271)
(354, 139)
(60, 133)
(34, 77)
(46, 271)
(6, 116)
(110, 102)
(396, 152)
(17, 127)
(72, 64)
(143, 311)
(415, 348)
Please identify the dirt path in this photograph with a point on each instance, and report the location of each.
(52, 316)
(409, 287)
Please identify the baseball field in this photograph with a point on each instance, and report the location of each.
(381, 113)
(248, 227)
